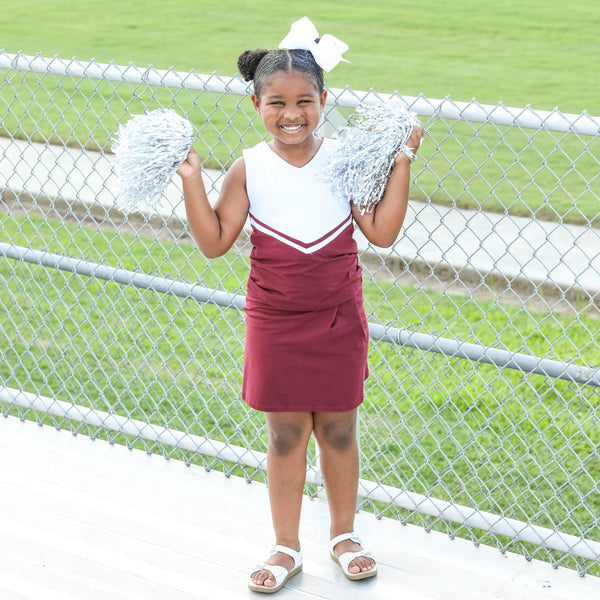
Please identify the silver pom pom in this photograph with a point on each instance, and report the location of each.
(360, 167)
(149, 149)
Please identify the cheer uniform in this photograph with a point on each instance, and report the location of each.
(306, 330)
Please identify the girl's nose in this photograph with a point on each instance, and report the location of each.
(291, 111)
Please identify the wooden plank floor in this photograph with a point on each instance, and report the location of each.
(84, 519)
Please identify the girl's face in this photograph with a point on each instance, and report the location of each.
(290, 107)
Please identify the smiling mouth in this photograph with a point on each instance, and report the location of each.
(291, 128)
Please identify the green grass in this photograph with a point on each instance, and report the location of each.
(520, 53)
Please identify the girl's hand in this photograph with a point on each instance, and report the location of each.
(413, 142)
(191, 165)
(382, 225)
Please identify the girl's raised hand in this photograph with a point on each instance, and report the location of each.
(192, 165)
(413, 142)
(415, 138)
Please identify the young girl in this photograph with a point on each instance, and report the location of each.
(306, 345)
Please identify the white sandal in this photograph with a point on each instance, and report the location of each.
(346, 558)
(280, 573)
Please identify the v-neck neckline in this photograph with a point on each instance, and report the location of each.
(312, 158)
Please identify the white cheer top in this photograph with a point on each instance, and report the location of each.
(294, 204)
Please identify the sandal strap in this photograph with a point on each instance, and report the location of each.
(295, 555)
(343, 537)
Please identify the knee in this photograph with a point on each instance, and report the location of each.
(285, 437)
(339, 435)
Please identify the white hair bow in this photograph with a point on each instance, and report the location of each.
(327, 52)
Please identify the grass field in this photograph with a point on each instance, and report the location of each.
(535, 52)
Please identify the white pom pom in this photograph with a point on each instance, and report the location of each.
(149, 149)
(360, 167)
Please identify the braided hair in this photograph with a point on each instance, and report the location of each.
(258, 65)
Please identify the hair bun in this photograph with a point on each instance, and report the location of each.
(248, 62)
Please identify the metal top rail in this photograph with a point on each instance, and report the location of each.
(446, 108)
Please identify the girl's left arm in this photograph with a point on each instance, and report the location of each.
(382, 225)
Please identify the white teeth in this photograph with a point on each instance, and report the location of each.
(291, 127)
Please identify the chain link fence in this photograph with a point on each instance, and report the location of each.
(481, 412)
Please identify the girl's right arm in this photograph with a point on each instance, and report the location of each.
(214, 229)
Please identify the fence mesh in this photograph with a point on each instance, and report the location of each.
(481, 412)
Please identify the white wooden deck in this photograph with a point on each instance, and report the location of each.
(81, 519)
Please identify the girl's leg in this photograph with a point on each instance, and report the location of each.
(288, 435)
(336, 435)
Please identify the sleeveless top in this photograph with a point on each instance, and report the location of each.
(304, 256)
